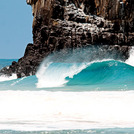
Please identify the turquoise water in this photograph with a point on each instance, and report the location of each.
(92, 131)
(108, 75)
(69, 98)
(6, 62)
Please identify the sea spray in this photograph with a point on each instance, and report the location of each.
(52, 74)
(58, 66)
(55, 74)
(130, 60)
(79, 107)
(67, 63)
(7, 78)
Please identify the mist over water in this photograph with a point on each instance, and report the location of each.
(130, 61)
(84, 67)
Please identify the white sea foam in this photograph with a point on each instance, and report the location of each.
(7, 78)
(130, 60)
(54, 76)
(44, 110)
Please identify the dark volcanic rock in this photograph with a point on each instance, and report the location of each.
(62, 24)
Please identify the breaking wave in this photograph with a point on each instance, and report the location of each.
(78, 69)
(99, 72)
(23, 107)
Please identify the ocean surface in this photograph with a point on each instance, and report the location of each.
(95, 97)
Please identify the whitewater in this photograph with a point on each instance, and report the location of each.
(70, 97)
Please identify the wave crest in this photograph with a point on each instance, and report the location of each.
(59, 74)
(83, 68)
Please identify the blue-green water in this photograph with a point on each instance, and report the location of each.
(91, 131)
(69, 98)
(6, 62)
(106, 75)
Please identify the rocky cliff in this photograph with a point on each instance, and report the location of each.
(62, 24)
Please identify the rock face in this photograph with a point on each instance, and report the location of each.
(62, 24)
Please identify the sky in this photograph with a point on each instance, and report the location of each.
(15, 28)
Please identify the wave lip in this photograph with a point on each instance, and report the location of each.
(83, 68)
(54, 75)
(130, 60)
(102, 72)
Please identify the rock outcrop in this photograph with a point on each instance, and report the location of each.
(62, 24)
